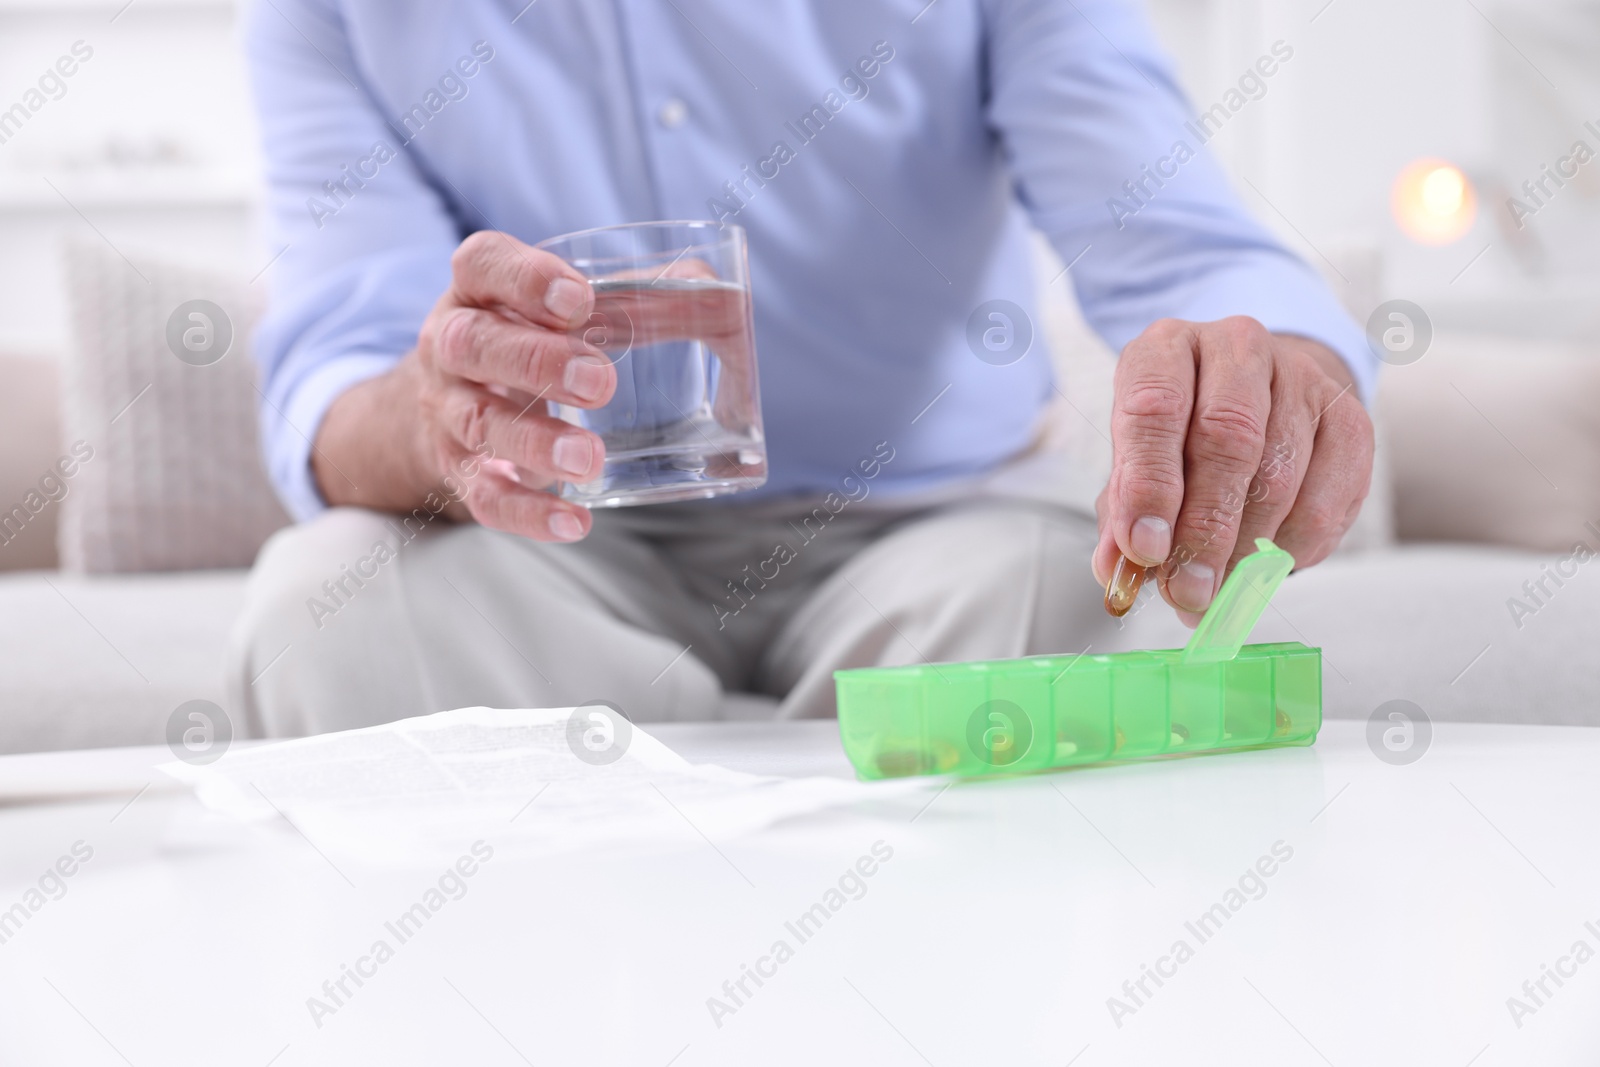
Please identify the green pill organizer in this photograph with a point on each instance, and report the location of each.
(1216, 694)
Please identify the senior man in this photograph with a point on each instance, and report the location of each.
(886, 158)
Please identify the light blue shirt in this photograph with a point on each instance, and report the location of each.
(885, 156)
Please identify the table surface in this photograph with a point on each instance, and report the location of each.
(1112, 915)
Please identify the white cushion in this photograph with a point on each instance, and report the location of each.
(1495, 440)
(98, 662)
(177, 481)
(1431, 624)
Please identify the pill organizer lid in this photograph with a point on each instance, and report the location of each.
(1239, 604)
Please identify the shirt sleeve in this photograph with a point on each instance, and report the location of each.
(1109, 159)
(363, 239)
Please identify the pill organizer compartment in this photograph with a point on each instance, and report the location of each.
(1010, 716)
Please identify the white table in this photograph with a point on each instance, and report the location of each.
(1416, 901)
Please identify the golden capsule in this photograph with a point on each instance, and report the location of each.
(900, 762)
(1123, 588)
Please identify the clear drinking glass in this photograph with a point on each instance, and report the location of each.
(672, 313)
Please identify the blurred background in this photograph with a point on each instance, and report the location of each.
(152, 145)
(1388, 151)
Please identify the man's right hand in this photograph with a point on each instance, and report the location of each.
(491, 355)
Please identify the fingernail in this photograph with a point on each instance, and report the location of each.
(572, 454)
(586, 380)
(1191, 586)
(564, 526)
(564, 297)
(1151, 539)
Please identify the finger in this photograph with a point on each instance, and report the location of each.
(495, 498)
(1337, 479)
(549, 449)
(1331, 545)
(1290, 432)
(1150, 416)
(495, 270)
(485, 346)
(1104, 560)
(1233, 396)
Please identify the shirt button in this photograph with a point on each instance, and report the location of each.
(672, 113)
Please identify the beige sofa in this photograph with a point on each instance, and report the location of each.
(1489, 477)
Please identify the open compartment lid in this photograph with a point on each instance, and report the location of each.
(1239, 604)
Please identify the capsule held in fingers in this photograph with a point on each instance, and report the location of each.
(1123, 588)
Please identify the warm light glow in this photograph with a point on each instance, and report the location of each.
(1443, 191)
(1433, 202)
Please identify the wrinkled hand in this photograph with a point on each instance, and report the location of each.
(1223, 433)
(492, 355)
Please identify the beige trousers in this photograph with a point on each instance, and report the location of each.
(358, 618)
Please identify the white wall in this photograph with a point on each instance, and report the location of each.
(150, 148)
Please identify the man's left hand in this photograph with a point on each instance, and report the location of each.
(1223, 433)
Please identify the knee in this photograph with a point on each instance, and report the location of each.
(1021, 574)
(305, 577)
(987, 559)
(306, 572)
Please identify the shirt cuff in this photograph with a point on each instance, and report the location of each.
(290, 430)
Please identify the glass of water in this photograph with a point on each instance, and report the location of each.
(672, 313)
